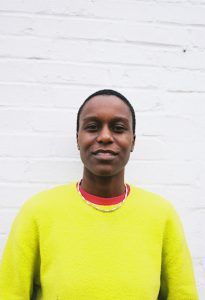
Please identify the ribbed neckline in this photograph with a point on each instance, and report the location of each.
(101, 200)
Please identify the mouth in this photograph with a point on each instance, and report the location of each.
(105, 154)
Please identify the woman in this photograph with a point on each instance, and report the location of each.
(100, 238)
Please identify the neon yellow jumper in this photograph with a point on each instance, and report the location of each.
(61, 248)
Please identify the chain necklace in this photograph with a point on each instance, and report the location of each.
(98, 206)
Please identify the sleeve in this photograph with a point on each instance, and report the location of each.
(20, 262)
(177, 276)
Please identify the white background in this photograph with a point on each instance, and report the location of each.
(53, 54)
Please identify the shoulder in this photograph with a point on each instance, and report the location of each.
(148, 197)
(49, 199)
(152, 202)
(41, 210)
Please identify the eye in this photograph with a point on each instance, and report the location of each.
(119, 128)
(91, 127)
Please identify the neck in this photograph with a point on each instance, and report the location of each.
(103, 186)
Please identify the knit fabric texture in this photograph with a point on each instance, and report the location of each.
(61, 248)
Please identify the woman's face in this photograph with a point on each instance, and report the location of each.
(105, 137)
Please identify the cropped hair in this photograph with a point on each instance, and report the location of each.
(109, 93)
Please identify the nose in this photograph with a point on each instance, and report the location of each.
(105, 136)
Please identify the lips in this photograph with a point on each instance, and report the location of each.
(101, 151)
(104, 154)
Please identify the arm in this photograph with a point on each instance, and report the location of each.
(177, 278)
(20, 262)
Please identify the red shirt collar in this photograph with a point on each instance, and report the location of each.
(101, 200)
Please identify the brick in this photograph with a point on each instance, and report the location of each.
(179, 11)
(143, 151)
(183, 197)
(14, 195)
(13, 170)
(162, 172)
(54, 171)
(38, 146)
(36, 48)
(18, 120)
(43, 96)
(6, 219)
(101, 76)
(185, 103)
(193, 227)
(172, 128)
(70, 97)
(93, 29)
(200, 288)
(3, 239)
(185, 149)
(46, 171)
(14, 120)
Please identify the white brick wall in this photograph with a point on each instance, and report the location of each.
(53, 54)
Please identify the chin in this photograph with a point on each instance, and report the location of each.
(105, 172)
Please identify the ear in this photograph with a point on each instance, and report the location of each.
(133, 143)
(77, 141)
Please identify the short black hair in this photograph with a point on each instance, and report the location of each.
(109, 93)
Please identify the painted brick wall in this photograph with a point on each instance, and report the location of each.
(53, 54)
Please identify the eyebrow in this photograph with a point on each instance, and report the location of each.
(114, 119)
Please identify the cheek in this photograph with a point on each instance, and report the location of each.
(85, 145)
(125, 153)
(127, 144)
(84, 140)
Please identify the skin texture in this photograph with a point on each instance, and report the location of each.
(105, 140)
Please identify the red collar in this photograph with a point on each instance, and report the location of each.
(101, 200)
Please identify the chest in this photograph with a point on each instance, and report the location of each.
(102, 259)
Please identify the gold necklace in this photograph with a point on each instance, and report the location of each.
(100, 208)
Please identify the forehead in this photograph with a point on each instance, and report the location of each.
(106, 106)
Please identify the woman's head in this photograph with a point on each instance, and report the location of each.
(105, 133)
(107, 92)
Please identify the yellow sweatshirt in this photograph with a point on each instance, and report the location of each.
(61, 248)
